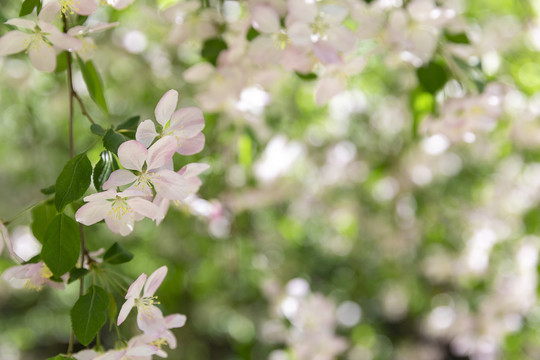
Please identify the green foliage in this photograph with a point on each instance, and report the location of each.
(432, 77)
(42, 216)
(93, 83)
(28, 6)
(112, 140)
(116, 254)
(61, 357)
(252, 34)
(77, 273)
(212, 48)
(73, 181)
(307, 77)
(103, 169)
(129, 127)
(457, 38)
(62, 245)
(89, 314)
(97, 130)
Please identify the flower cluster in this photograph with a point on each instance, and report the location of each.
(148, 178)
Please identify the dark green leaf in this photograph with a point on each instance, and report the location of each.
(77, 273)
(42, 216)
(212, 48)
(34, 260)
(252, 34)
(116, 254)
(28, 6)
(112, 140)
(460, 38)
(97, 130)
(73, 181)
(89, 314)
(93, 83)
(129, 124)
(308, 76)
(81, 19)
(432, 77)
(48, 190)
(62, 245)
(105, 166)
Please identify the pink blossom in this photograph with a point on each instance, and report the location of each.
(36, 275)
(157, 328)
(37, 41)
(119, 209)
(81, 7)
(185, 125)
(149, 165)
(88, 49)
(145, 304)
(137, 349)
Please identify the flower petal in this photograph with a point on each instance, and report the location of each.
(142, 350)
(119, 4)
(175, 321)
(193, 169)
(42, 56)
(65, 42)
(187, 122)
(120, 223)
(5, 239)
(154, 281)
(93, 212)
(144, 207)
(125, 310)
(22, 23)
(166, 106)
(265, 19)
(136, 287)
(132, 155)
(328, 87)
(161, 152)
(104, 195)
(146, 132)
(170, 185)
(49, 11)
(192, 145)
(118, 178)
(14, 42)
(85, 7)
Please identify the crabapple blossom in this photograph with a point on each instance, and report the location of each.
(118, 4)
(87, 354)
(88, 49)
(157, 328)
(40, 39)
(119, 209)
(36, 275)
(137, 349)
(145, 303)
(150, 171)
(81, 7)
(185, 125)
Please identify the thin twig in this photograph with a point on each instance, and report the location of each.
(83, 108)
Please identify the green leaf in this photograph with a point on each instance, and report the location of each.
(61, 62)
(97, 130)
(459, 38)
(432, 77)
(61, 357)
(252, 34)
(34, 260)
(77, 273)
(113, 311)
(422, 104)
(62, 245)
(28, 6)
(116, 254)
(129, 124)
(112, 140)
(48, 190)
(73, 181)
(103, 169)
(42, 216)
(93, 83)
(308, 76)
(212, 48)
(89, 314)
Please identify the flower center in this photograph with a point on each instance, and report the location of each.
(70, 5)
(120, 208)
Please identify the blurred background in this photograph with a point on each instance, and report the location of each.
(396, 218)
